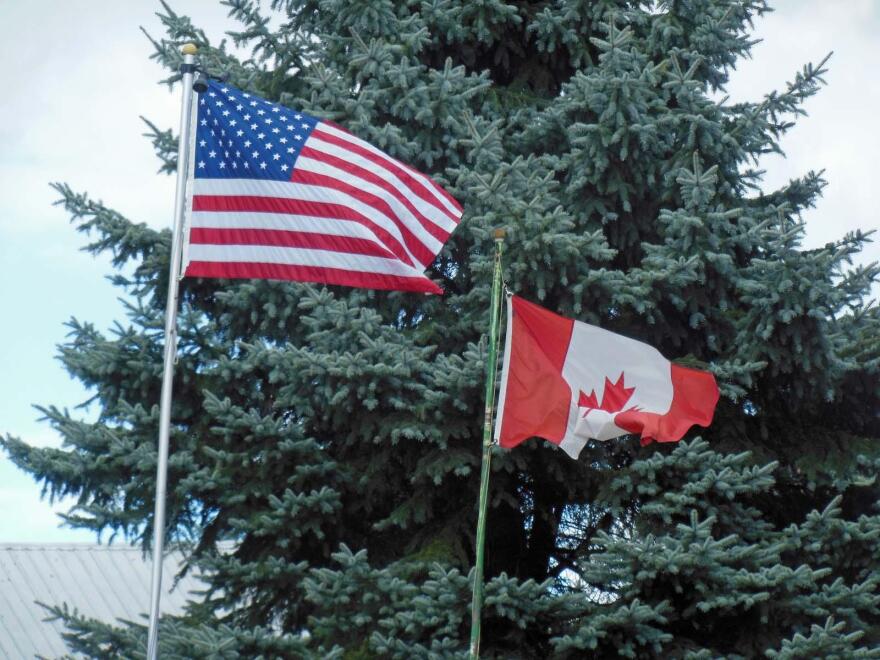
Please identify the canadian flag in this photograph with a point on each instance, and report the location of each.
(567, 382)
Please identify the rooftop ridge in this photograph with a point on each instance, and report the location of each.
(85, 545)
(105, 581)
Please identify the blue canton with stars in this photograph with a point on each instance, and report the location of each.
(242, 136)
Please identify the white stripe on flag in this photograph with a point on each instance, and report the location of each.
(434, 213)
(412, 223)
(429, 185)
(265, 254)
(505, 368)
(281, 222)
(302, 192)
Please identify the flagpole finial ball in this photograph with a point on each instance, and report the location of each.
(500, 234)
(189, 49)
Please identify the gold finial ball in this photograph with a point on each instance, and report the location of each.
(189, 49)
(500, 234)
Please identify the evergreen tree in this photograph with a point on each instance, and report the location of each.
(333, 435)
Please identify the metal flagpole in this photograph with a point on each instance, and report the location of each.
(491, 368)
(187, 69)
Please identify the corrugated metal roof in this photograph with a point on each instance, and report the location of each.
(100, 581)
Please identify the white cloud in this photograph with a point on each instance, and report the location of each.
(72, 97)
(74, 115)
(24, 517)
(838, 134)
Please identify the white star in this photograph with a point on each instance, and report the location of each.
(201, 164)
(247, 143)
(253, 127)
(247, 96)
(276, 156)
(274, 108)
(201, 101)
(268, 145)
(239, 107)
(225, 113)
(204, 122)
(290, 127)
(261, 135)
(253, 103)
(267, 120)
(290, 150)
(282, 118)
(233, 122)
(234, 165)
(305, 125)
(297, 137)
(262, 166)
(297, 116)
(284, 168)
(211, 94)
(226, 153)
(275, 130)
(282, 141)
(261, 112)
(212, 153)
(247, 117)
(246, 166)
(238, 154)
(202, 143)
(239, 133)
(222, 165)
(255, 154)
(219, 104)
(224, 89)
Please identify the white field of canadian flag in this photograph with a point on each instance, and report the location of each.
(569, 382)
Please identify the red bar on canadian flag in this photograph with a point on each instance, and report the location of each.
(569, 382)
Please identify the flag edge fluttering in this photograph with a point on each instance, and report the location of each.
(646, 425)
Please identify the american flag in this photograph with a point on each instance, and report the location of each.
(278, 194)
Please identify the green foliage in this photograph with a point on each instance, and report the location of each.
(316, 427)
(705, 571)
(180, 640)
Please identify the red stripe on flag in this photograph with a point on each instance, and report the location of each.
(537, 398)
(240, 270)
(437, 232)
(414, 171)
(413, 244)
(282, 238)
(694, 397)
(246, 203)
(403, 173)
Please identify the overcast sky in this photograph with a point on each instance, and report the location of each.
(72, 97)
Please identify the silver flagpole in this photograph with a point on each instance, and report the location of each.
(187, 69)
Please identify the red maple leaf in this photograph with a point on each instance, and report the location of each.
(614, 397)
